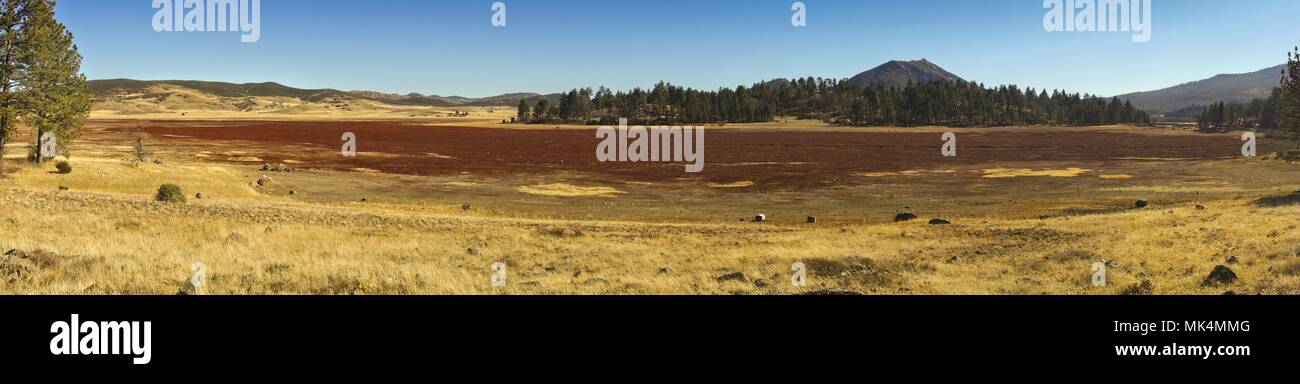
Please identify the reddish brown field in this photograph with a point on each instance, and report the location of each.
(772, 159)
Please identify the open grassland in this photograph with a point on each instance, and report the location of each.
(1024, 222)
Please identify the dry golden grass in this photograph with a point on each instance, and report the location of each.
(105, 235)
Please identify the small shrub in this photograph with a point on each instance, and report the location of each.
(63, 167)
(170, 193)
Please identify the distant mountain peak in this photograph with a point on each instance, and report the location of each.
(898, 73)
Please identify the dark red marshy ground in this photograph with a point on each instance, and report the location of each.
(782, 159)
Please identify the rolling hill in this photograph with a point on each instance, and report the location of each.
(136, 97)
(1228, 87)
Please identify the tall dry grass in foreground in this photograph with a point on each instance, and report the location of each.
(105, 235)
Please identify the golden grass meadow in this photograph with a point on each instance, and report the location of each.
(1018, 227)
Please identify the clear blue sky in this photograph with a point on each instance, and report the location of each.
(449, 47)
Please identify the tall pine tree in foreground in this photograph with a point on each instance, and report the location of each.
(40, 80)
(54, 96)
(13, 15)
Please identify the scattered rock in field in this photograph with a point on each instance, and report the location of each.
(1232, 260)
(291, 193)
(1200, 207)
(1221, 275)
(472, 251)
(15, 266)
(734, 276)
(760, 218)
(189, 289)
(812, 219)
(267, 167)
(157, 161)
(466, 207)
(762, 283)
(263, 181)
(904, 216)
(1145, 288)
(665, 270)
(1141, 204)
(832, 292)
(364, 200)
(940, 222)
(1229, 293)
(199, 196)
(62, 188)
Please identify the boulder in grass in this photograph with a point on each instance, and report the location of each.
(734, 276)
(940, 222)
(904, 216)
(1221, 275)
(760, 218)
(1141, 204)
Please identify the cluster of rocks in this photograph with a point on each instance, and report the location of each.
(267, 167)
(908, 216)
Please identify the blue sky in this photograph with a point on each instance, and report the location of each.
(449, 47)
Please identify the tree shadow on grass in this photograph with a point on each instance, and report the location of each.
(1279, 201)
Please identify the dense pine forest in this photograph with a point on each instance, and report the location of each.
(945, 103)
(1257, 114)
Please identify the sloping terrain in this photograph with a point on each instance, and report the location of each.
(1233, 88)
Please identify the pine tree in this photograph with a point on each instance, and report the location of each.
(54, 96)
(13, 15)
(1289, 94)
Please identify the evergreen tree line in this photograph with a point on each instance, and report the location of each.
(1257, 114)
(947, 103)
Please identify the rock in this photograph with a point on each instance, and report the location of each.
(760, 218)
(364, 200)
(263, 181)
(812, 219)
(15, 265)
(199, 196)
(189, 289)
(665, 270)
(1141, 204)
(291, 193)
(832, 292)
(1233, 260)
(466, 207)
(1221, 275)
(904, 216)
(762, 283)
(940, 222)
(472, 251)
(734, 276)
(62, 188)
(1200, 207)
(266, 167)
